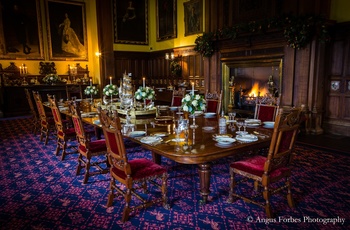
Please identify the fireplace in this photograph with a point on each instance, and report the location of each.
(248, 82)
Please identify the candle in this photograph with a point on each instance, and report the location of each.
(143, 79)
(192, 88)
(90, 81)
(110, 80)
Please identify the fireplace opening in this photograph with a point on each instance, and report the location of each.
(250, 82)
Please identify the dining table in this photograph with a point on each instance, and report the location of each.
(201, 146)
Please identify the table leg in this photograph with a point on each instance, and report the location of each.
(204, 171)
(156, 158)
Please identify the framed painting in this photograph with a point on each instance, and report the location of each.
(21, 30)
(166, 19)
(66, 29)
(193, 11)
(130, 22)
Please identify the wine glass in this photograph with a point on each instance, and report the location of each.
(239, 125)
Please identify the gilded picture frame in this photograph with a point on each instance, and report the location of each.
(193, 11)
(128, 17)
(21, 29)
(66, 28)
(166, 19)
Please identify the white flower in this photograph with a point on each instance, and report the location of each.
(185, 108)
(194, 102)
(187, 97)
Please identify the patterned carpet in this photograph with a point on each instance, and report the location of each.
(39, 191)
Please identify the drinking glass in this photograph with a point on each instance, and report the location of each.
(239, 125)
(231, 116)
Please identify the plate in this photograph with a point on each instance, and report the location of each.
(222, 146)
(209, 114)
(221, 135)
(178, 139)
(253, 125)
(137, 133)
(173, 108)
(269, 124)
(150, 139)
(207, 128)
(247, 138)
(196, 113)
(252, 121)
(225, 140)
(160, 134)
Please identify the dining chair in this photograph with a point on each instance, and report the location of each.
(269, 173)
(65, 132)
(265, 112)
(129, 176)
(177, 97)
(74, 91)
(33, 111)
(88, 148)
(213, 101)
(47, 123)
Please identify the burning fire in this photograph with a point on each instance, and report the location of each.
(256, 90)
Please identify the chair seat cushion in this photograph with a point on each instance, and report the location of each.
(141, 168)
(95, 146)
(68, 132)
(255, 166)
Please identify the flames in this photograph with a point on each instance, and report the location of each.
(256, 90)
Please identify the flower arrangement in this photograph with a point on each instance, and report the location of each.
(205, 44)
(91, 90)
(110, 90)
(51, 78)
(175, 68)
(145, 93)
(192, 103)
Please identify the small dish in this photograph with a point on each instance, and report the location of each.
(173, 108)
(222, 135)
(225, 140)
(269, 124)
(252, 121)
(150, 139)
(209, 114)
(160, 134)
(137, 133)
(207, 128)
(178, 139)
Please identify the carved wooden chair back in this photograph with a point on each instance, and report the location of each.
(88, 148)
(132, 174)
(265, 112)
(213, 101)
(33, 110)
(266, 171)
(177, 97)
(46, 122)
(64, 132)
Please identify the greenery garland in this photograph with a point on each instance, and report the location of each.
(297, 30)
(175, 68)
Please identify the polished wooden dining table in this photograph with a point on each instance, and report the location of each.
(200, 148)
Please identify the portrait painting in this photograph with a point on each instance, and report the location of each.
(21, 30)
(193, 11)
(166, 19)
(66, 30)
(130, 22)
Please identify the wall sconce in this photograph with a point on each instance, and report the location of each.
(97, 54)
(170, 56)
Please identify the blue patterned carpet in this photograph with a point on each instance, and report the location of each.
(39, 191)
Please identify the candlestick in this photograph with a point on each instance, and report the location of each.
(192, 88)
(143, 79)
(110, 80)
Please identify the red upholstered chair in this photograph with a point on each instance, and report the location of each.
(64, 132)
(265, 112)
(33, 110)
(87, 148)
(213, 102)
(46, 121)
(131, 175)
(267, 171)
(177, 97)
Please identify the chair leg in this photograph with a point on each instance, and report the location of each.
(47, 135)
(79, 167)
(58, 147)
(64, 148)
(268, 209)
(289, 194)
(87, 168)
(165, 191)
(232, 186)
(126, 211)
(111, 193)
(256, 185)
